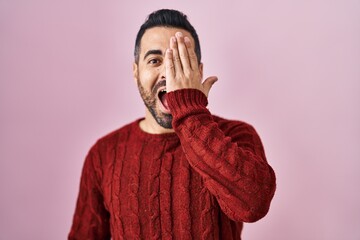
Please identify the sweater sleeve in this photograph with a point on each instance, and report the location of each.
(231, 162)
(91, 219)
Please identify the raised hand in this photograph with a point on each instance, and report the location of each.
(182, 67)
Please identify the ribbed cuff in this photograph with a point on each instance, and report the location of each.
(184, 101)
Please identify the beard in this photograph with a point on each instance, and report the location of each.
(151, 100)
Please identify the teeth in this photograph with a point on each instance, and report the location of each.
(163, 91)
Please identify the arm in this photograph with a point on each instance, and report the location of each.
(91, 219)
(233, 165)
(232, 162)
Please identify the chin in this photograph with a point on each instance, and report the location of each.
(164, 121)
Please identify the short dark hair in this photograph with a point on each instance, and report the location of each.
(167, 18)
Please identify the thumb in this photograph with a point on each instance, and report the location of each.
(208, 83)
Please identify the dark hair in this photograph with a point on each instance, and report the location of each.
(167, 18)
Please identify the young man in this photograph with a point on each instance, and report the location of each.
(180, 172)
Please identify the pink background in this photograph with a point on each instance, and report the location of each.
(290, 68)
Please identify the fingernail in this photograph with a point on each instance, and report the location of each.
(173, 39)
(179, 34)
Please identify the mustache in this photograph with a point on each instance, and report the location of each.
(158, 85)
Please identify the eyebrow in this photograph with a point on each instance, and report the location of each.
(156, 52)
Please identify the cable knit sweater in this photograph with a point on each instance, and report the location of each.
(200, 182)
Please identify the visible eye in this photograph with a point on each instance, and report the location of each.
(154, 61)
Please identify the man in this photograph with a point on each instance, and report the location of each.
(180, 172)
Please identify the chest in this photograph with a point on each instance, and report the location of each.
(147, 177)
(151, 190)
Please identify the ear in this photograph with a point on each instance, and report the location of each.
(201, 70)
(135, 72)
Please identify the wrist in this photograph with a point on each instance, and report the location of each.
(186, 101)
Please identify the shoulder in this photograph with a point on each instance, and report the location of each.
(229, 126)
(112, 139)
(244, 134)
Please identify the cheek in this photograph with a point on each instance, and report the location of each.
(148, 77)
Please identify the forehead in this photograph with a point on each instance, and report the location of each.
(159, 38)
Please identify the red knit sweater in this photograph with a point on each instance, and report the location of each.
(200, 182)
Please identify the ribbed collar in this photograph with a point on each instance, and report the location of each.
(135, 127)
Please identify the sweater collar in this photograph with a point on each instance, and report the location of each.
(150, 136)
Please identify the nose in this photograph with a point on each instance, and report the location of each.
(162, 72)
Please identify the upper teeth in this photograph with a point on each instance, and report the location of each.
(164, 90)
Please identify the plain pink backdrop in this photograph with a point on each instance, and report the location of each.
(290, 68)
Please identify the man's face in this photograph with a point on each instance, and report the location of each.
(149, 73)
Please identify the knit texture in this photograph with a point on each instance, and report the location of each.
(201, 182)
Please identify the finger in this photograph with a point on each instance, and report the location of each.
(192, 55)
(169, 65)
(183, 53)
(208, 83)
(175, 56)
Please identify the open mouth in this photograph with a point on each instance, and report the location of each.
(163, 99)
